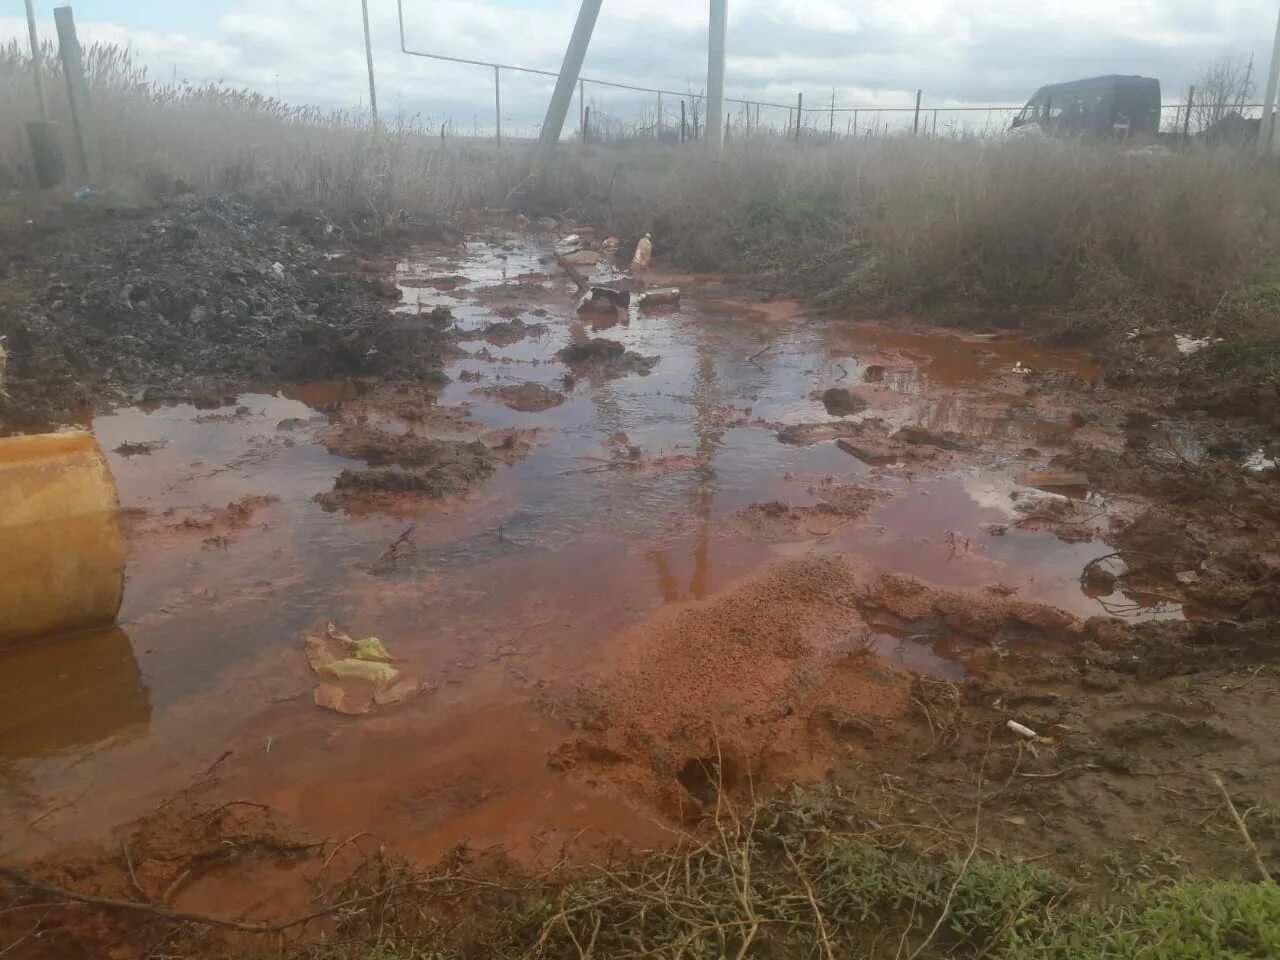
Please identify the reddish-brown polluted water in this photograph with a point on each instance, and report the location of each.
(622, 544)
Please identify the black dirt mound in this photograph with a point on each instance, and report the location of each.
(201, 295)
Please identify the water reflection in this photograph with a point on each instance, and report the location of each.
(70, 692)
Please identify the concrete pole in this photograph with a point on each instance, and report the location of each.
(77, 94)
(1266, 133)
(36, 71)
(368, 56)
(558, 109)
(497, 104)
(718, 25)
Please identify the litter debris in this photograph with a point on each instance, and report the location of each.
(85, 193)
(1189, 345)
(332, 697)
(667, 297)
(1020, 369)
(370, 648)
(619, 298)
(610, 243)
(1022, 731)
(367, 662)
(644, 253)
(1258, 461)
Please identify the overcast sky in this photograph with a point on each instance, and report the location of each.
(872, 52)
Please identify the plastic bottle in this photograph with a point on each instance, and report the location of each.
(644, 253)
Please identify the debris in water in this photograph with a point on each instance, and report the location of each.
(368, 648)
(131, 448)
(332, 697)
(644, 253)
(1022, 731)
(666, 297)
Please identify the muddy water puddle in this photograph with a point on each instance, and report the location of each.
(503, 598)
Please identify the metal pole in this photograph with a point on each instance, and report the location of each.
(915, 127)
(77, 93)
(1266, 133)
(582, 108)
(1186, 121)
(717, 27)
(36, 72)
(570, 70)
(659, 116)
(683, 135)
(586, 122)
(497, 104)
(368, 56)
(831, 127)
(799, 114)
(935, 123)
(855, 123)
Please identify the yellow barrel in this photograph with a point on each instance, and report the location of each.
(62, 550)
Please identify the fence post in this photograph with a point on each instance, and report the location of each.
(935, 123)
(497, 102)
(831, 127)
(582, 108)
(683, 135)
(586, 122)
(915, 126)
(1186, 121)
(77, 93)
(799, 114)
(855, 123)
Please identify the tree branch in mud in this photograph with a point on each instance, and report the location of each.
(23, 881)
(574, 273)
(1264, 875)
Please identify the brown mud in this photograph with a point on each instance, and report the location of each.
(686, 577)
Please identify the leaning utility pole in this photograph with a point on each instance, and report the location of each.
(1266, 131)
(368, 56)
(558, 109)
(718, 23)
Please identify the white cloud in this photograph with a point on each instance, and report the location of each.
(873, 52)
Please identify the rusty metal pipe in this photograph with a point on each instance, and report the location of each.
(62, 549)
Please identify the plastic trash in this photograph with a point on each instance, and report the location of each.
(644, 253)
(84, 193)
(668, 297)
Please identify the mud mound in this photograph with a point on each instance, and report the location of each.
(502, 333)
(527, 397)
(841, 402)
(778, 522)
(428, 468)
(599, 357)
(205, 291)
(779, 679)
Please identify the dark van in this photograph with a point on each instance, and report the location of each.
(1097, 107)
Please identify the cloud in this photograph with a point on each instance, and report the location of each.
(871, 52)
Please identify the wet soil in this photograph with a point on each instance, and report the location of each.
(679, 580)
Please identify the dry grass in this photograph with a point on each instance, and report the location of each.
(998, 223)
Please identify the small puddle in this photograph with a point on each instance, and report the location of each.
(506, 594)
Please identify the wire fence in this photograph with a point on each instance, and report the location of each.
(609, 110)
